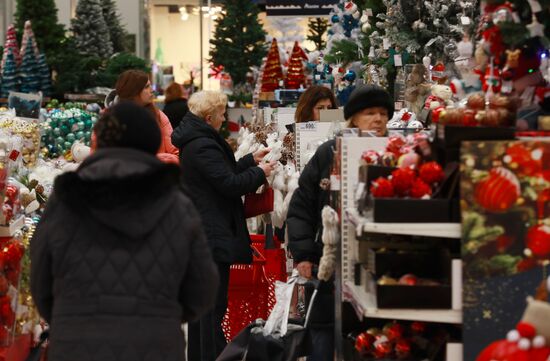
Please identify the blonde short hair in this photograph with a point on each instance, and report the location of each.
(206, 102)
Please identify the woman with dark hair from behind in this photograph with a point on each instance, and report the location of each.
(175, 106)
(312, 101)
(119, 258)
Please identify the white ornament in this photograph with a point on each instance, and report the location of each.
(365, 27)
(427, 61)
(524, 344)
(539, 341)
(513, 336)
(79, 151)
(320, 68)
(415, 124)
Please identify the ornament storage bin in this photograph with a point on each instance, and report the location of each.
(432, 263)
(11, 254)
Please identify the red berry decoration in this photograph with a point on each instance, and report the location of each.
(382, 347)
(394, 331)
(402, 181)
(395, 145)
(420, 189)
(538, 240)
(382, 188)
(403, 349)
(370, 157)
(499, 191)
(431, 172)
(364, 342)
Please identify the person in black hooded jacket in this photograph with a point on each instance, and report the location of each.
(119, 258)
(216, 183)
(369, 109)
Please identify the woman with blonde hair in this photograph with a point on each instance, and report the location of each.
(135, 86)
(216, 182)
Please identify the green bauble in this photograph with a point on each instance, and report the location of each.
(59, 141)
(80, 135)
(88, 135)
(88, 123)
(72, 120)
(67, 145)
(70, 137)
(80, 125)
(64, 129)
(56, 132)
(54, 122)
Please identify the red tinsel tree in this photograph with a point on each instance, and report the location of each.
(273, 72)
(11, 43)
(295, 75)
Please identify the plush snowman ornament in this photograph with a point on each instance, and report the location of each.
(441, 96)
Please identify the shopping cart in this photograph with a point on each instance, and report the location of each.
(284, 339)
(251, 292)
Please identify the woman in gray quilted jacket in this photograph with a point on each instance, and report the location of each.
(119, 259)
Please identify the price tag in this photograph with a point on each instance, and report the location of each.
(465, 20)
(397, 60)
(308, 127)
(535, 6)
(386, 43)
(369, 12)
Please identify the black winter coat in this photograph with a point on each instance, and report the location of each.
(304, 222)
(216, 183)
(175, 111)
(120, 260)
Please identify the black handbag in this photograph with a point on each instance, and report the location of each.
(38, 350)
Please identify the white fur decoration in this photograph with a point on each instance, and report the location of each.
(330, 242)
(79, 151)
(292, 176)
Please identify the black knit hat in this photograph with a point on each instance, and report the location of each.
(368, 96)
(128, 125)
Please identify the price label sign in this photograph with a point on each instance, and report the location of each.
(398, 60)
(465, 20)
(386, 43)
(308, 127)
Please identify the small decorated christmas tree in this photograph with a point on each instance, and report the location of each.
(11, 43)
(44, 75)
(9, 75)
(91, 33)
(295, 75)
(28, 72)
(29, 34)
(273, 72)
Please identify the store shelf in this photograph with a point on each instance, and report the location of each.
(366, 304)
(443, 230)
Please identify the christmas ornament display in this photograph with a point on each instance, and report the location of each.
(409, 182)
(29, 132)
(11, 254)
(295, 77)
(64, 127)
(500, 112)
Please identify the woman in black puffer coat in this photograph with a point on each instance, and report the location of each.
(120, 259)
(369, 109)
(216, 182)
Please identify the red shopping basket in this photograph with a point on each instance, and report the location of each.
(251, 292)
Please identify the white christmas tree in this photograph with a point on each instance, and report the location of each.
(90, 30)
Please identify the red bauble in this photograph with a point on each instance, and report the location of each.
(420, 189)
(469, 118)
(408, 280)
(402, 181)
(370, 157)
(418, 327)
(394, 331)
(395, 143)
(538, 240)
(504, 350)
(382, 348)
(382, 188)
(12, 254)
(364, 342)
(522, 160)
(403, 349)
(431, 172)
(4, 285)
(499, 191)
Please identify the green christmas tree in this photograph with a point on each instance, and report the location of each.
(9, 75)
(116, 30)
(44, 75)
(317, 27)
(239, 40)
(90, 30)
(28, 72)
(43, 14)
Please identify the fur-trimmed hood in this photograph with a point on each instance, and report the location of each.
(124, 189)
